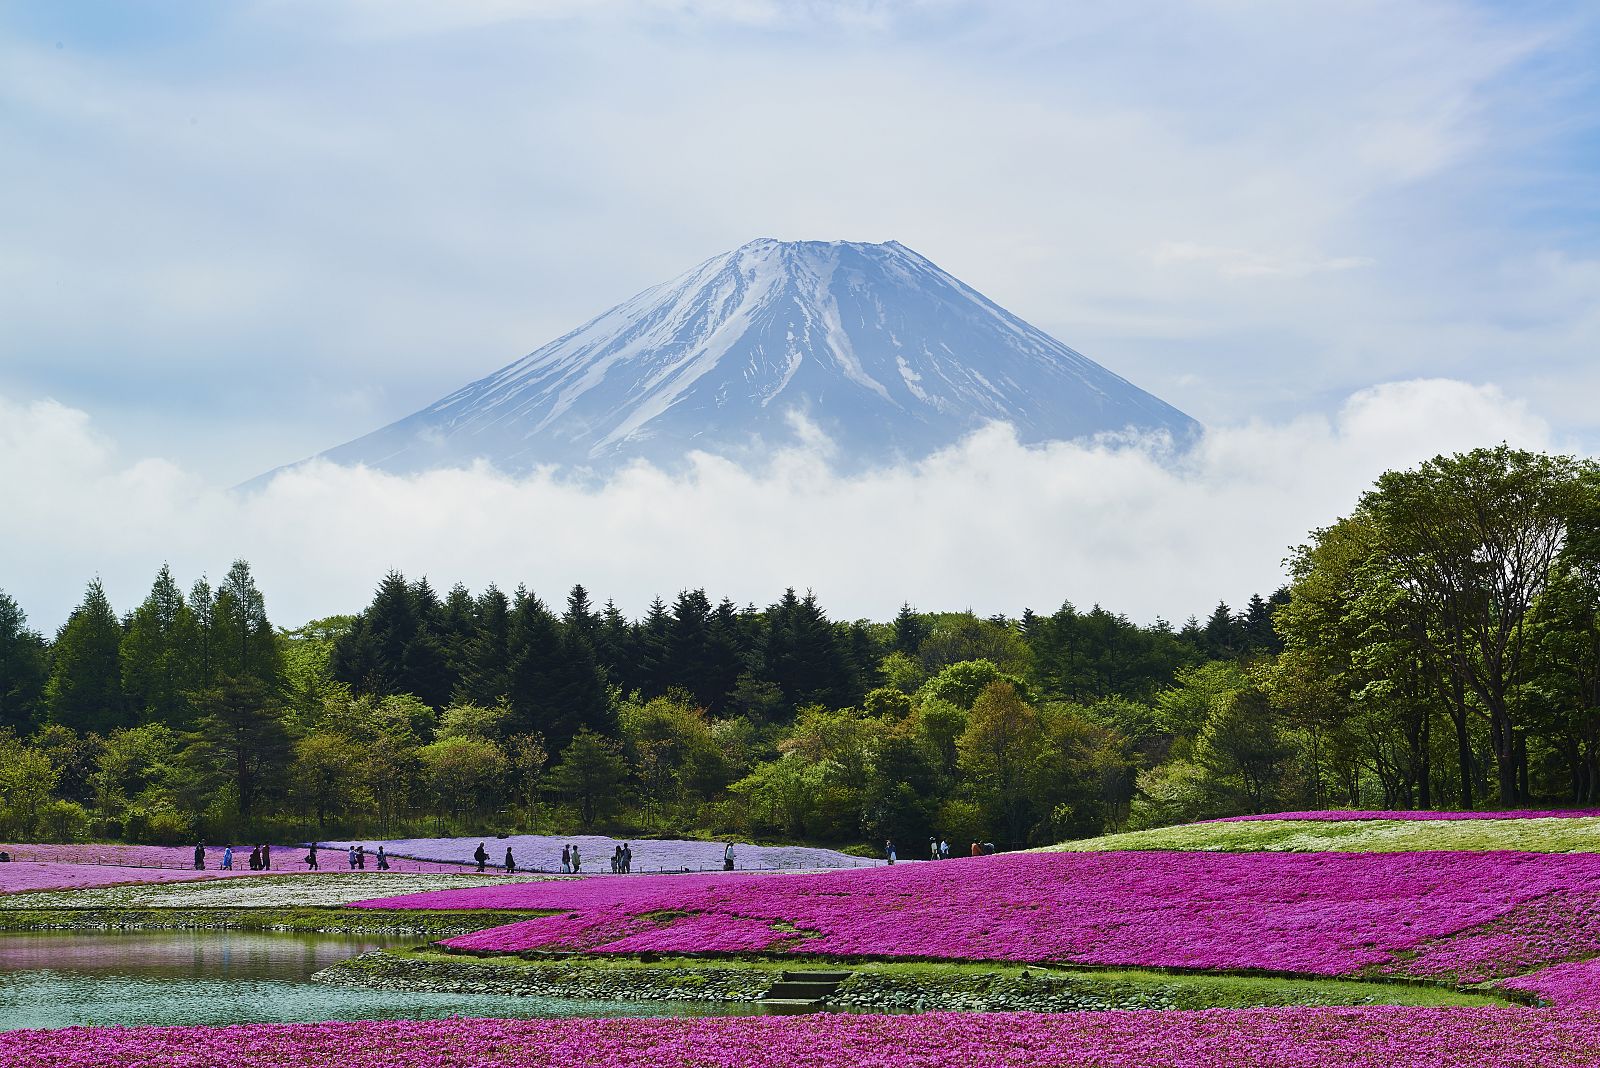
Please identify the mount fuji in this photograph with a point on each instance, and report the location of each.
(884, 353)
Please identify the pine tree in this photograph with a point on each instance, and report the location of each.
(486, 677)
(652, 647)
(85, 687)
(580, 614)
(203, 651)
(910, 631)
(613, 647)
(1223, 633)
(242, 740)
(24, 669)
(158, 651)
(246, 646)
(688, 646)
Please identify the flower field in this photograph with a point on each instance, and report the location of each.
(252, 891)
(1270, 1038)
(541, 852)
(20, 876)
(1537, 834)
(1338, 815)
(1324, 914)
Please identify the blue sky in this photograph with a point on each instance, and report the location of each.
(237, 234)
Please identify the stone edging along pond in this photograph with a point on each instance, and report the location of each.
(873, 987)
(883, 986)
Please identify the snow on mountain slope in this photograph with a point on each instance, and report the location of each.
(886, 354)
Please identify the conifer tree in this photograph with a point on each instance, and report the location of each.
(487, 673)
(246, 646)
(85, 688)
(23, 669)
(157, 653)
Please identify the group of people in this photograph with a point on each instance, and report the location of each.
(622, 859)
(260, 857)
(938, 849)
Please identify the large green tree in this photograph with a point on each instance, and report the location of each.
(85, 687)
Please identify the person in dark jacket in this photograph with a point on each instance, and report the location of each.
(511, 862)
(481, 855)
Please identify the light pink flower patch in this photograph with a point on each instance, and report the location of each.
(1329, 913)
(23, 875)
(1262, 1038)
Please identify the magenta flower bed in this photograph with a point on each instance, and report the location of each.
(1556, 927)
(541, 852)
(1266, 1038)
(1329, 914)
(1338, 815)
(1574, 985)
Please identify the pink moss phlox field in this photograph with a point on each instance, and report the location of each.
(1556, 927)
(1328, 914)
(543, 852)
(1339, 815)
(1261, 1038)
(285, 858)
(1574, 985)
(23, 875)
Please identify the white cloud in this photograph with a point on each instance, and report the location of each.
(987, 524)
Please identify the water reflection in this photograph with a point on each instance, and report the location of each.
(61, 979)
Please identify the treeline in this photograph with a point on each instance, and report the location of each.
(1437, 647)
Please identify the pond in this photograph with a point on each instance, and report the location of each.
(59, 979)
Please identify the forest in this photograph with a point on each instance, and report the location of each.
(1437, 647)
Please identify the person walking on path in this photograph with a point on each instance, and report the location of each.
(227, 858)
(311, 858)
(566, 860)
(352, 858)
(481, 855)
(511, 862)
(577, 861)
(888, 849)
(361, 857)
(199, 856)
(383, 858)
(627, 858)
(933, 849)
(255, 858)
(944, 849)
(266, 857)
(727, 857)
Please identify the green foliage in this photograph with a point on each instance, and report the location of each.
(589, 775)
(24, 668)
(85, 687)
(26, 780)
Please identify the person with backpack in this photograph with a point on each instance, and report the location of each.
(311, 858)
(481, 855)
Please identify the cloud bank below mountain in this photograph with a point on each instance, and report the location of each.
(988, 524)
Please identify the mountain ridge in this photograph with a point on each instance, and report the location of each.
(888, 355)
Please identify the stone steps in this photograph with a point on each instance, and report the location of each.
(804, 987)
